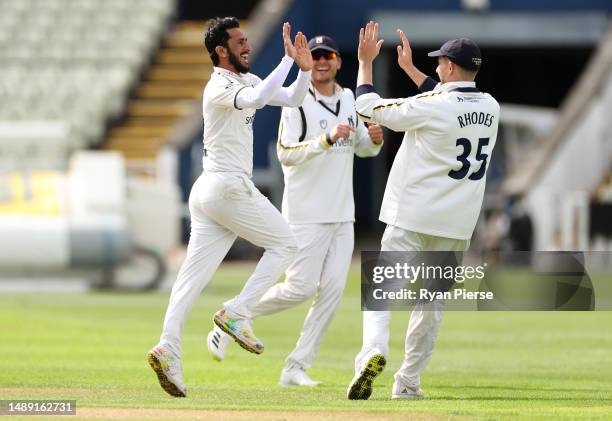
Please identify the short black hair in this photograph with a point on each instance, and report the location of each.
(217, 35)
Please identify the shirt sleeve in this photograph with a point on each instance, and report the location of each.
(399, 114)
(364, 147)
(225, 92)
(428, 85)
(264, 90)
(289, 149)
(293, 95)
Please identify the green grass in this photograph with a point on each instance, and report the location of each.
(488, 365)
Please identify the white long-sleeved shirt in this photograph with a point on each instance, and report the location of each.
(228, 108)
(437, 181)
(319, 177)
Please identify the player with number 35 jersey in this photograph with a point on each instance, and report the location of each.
(437, 181)
(435, 188)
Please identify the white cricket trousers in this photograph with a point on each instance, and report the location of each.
(425, 319)
(224, 206)
(319, 270)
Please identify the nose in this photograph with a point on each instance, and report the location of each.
(321, 58)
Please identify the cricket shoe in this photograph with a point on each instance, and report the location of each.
(218, 341)
(240, 330)
(168, 369)
(401, 391)
(295, 376)
(361, 385)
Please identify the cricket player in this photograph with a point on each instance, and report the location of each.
(224, 202)
(435, 188)
(316, 145)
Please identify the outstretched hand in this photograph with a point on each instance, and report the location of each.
(404, 52)
(303, 57)
(369, 44)
(289, 47)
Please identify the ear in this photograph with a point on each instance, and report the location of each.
(221, 51)
(339, 66)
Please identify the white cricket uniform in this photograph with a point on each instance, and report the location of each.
(224, 203)
(318, 204)
(433, 196)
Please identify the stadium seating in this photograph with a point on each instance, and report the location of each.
(169, 93)
(75, 61)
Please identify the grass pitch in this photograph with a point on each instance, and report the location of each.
(495, 365)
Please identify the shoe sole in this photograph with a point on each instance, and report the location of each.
(244, 345)
(165, 384)
(361, 388)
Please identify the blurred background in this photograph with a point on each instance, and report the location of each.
(101, 124)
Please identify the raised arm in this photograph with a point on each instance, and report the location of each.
(398, 114)
(293, 96)
(404, 59)
(261, 94)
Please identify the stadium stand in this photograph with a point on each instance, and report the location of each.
(74, 62)
(67, 69)
(169, 91)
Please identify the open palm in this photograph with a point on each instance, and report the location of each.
(369, 44)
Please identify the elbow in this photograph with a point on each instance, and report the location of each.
(363, 117)
(296, 102)
(283, 159)
(286, 162)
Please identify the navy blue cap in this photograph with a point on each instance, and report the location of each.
(323, 42)
(461, 51)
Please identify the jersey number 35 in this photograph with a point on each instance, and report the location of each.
(465, 164)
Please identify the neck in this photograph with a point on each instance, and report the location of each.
(458, 80)
(227, 66)
(325, 88)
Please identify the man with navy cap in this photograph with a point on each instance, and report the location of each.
(434, 191)
(316, 147)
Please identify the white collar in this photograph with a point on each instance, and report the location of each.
(449, 86)
(319, 96)
(228, 73)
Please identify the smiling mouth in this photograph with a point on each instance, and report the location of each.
(244, 57)
(322, 69)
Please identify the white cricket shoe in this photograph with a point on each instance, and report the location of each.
(295, 376)
(239, 329)
(169, 372)
(401, 391)
(218, 341)
(361, 386)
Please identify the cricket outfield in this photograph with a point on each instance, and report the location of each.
(490, 365)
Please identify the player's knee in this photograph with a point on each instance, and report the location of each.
(309, 291)
(336, 291)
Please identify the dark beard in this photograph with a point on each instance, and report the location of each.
(235, 61)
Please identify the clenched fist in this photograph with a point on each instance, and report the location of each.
(340, 131)
(376, 133)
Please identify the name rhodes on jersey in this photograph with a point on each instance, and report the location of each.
(468, 119)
